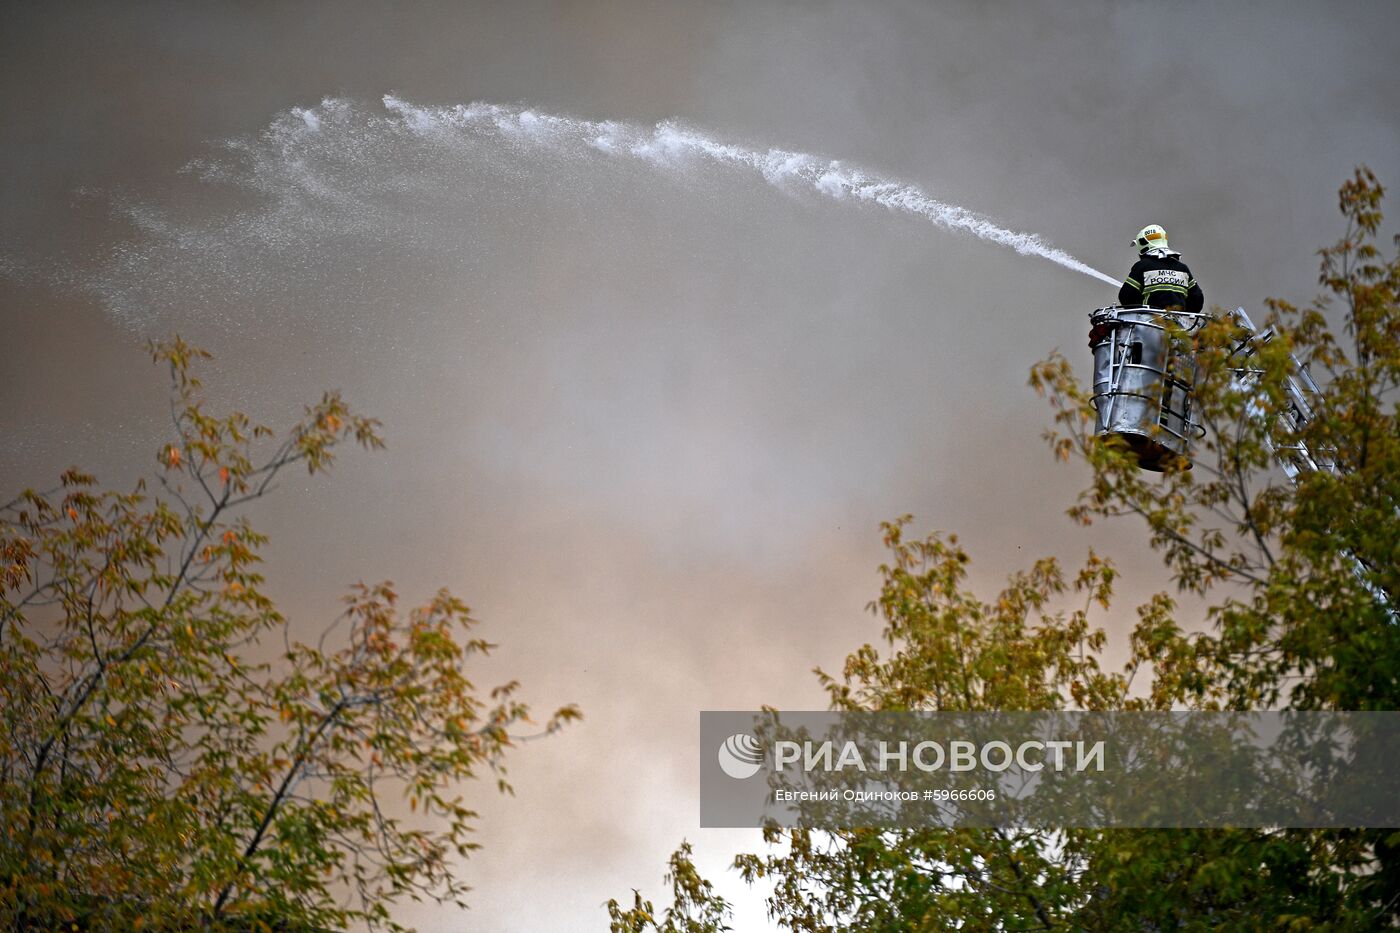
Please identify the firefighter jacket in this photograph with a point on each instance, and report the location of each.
(1161, 280)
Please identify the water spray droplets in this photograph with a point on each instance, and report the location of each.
(669, 145)
(325, 193)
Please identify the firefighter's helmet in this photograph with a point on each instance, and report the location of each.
(1150, 237)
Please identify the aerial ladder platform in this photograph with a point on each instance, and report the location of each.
(1144, 382)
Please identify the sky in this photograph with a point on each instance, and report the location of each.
(645, 416)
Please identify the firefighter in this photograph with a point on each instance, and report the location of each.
(1159, 279)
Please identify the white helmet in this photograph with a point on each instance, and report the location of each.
(1150, 237)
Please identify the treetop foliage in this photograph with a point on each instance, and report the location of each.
(157, 771)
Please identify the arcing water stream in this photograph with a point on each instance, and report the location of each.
(669, 145)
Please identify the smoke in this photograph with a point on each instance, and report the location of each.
(407, 177)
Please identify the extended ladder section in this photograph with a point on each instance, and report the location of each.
(1295, 458)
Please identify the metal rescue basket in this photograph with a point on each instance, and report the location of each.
(1144, 374)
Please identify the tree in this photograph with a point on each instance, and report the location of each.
(1299, 582)
(156, 771)
(695, 907)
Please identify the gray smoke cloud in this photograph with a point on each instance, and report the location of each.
(644, 417)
